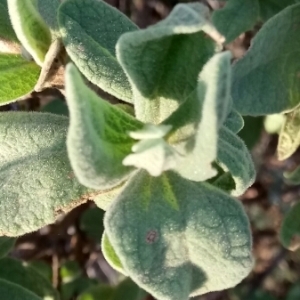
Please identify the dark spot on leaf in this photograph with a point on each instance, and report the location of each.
(151, 236)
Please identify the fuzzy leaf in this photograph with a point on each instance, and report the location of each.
(164, 60)
(17, 77)
(266, 79)
(204, 113)
(36, 179)
(11, 291)
(110, 255)
(16, 272)
(290, 228)
(105, 198)
(6, 244)
(30, 28)
(48, 10)
(236, 17)
(191, 238)
(90, 30)
(103, 129)
(234, 157)
(289, 137)
(234, 121)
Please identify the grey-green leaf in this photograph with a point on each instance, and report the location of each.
(234, 121)
(289, 137)
(98, 139)
(36, 179)
(17, 77)
(191, 238)
(11, 291)
(90, 30)
(6, 244)
(30, 28)
(16, 272)
(214, 95)
(48, 10)
(110, 255)
(266, 79)
(290, 228)
(234, 157)
(163, 61)
(236, 17)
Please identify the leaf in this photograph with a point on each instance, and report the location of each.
(103, 128)
(18, 273)
(30, 28)
(8, 40)
(90, 30)
(234, 157)
(251, 132)
(48, 9)
(191, 238)
(104, 199)
(110, 255)
(266, 79)
(236, 17)
(36, 180)
(127, 289)
(234, 121)
(290, 228)
(17, 77)
(91, 222)
(289, 137)
(10, 291)
(6, 244)
(164, 60)
(152, 152)
(274, 123)
(269, 8)
(56, 106)
(293, 177)
(206, 111)
(43, 268)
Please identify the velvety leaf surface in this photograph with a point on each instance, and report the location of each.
(90, 30)
(234, 157)
(103, 128)
(48, 10)
(290, 228)
(234, 121)
(163, 61)
(17, 77)
(105, 198)
(236, 17)
(289, 137)
(10, 291)
(191, 238)
(266, 79)
(16, 272)
(6, 244)
(110, 255)
(30, 28)
(197, 121)
(36, 179)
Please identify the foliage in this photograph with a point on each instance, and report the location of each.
(167, 165)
